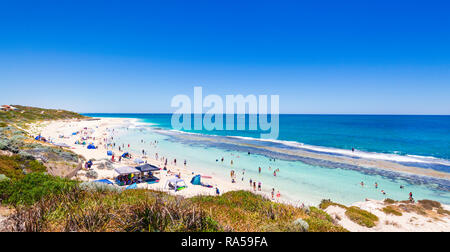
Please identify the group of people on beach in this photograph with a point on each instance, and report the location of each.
(257, 186)
(384, 193)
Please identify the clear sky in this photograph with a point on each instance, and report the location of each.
(380, 57)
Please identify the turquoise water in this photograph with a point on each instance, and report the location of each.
(422, 140)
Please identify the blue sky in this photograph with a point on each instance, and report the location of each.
(376, 57)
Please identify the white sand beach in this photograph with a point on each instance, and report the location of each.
(98, 130)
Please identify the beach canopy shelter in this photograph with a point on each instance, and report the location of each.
(175, 183)
(91, 146)
(138, 161)
(109, 153)
(147, 168)
(196, 180)
(126, 170)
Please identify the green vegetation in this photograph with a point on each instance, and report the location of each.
(429, 204)
(31, 188)
(244, 211)
(324, 204)
(361, 217)
(389, 201)
(391, 210)
(26, 114)
(16, 166)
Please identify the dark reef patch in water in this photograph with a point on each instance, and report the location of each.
(430, 182)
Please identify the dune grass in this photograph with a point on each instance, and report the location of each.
(391, 210)
(361, 217)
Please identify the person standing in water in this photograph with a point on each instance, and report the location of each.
(259, 169)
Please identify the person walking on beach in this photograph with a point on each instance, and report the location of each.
(273, 192)
(259, 186)
(254, 186)
(251, 182)
(185, 163)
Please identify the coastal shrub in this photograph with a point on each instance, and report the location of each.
(321, 225)
(389, 201)
(391, 210)
(443, 211)
(325, 203)
(302, 225)
(412, 208)
(3, 177)
(32, 188)
(16, 166)
(429, 204)
(320, 214)
(361, 217)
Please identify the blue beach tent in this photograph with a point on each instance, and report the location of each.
(132, 186)
(104, 181)
(196, 180)
(109, 153)
(91, 146)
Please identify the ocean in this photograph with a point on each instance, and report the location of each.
(416, 141)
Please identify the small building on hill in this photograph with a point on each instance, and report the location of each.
(8, 108)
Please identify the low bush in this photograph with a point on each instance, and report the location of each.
(361, 217)
(391, 210)
(32, 187)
